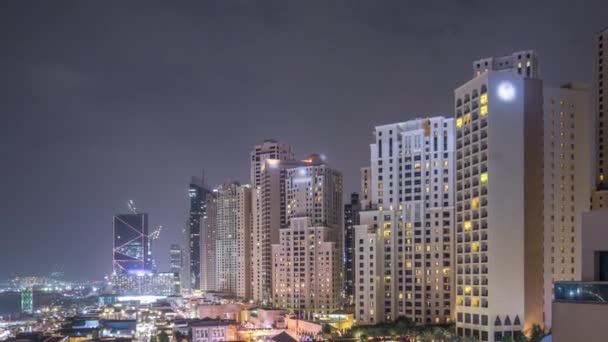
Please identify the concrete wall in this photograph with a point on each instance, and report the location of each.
(579, 322)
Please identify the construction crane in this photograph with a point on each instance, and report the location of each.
(152, 246)
(155, 234)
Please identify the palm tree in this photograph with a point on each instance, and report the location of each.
(536, 333)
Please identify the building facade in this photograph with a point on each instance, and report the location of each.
(307, 268)
(199, 194)
(208, 269)
(243, 240)
(176, 264)
(226, 235)
(213, 330)
(351, 219)
(131, 244)
(312, 280)
(499, 204)
(568, 182)
(404, 249)
(600, 72)
(267, 204)
(365, 197)
(148, 284)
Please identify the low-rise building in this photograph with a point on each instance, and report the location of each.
(213, 330)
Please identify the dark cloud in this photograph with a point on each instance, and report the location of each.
(103, 102)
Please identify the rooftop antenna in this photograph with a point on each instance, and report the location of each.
(204, 179)
(131, 206)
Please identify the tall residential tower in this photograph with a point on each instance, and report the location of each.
(268, 160)
(307, 260)
(404, 249)
(499, 202)
(568, 182)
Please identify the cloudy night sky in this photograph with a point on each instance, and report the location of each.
(106, 101)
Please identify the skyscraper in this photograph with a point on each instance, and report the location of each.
(307, 260)
(243, 238)
(209, 243)
(131, 245)
(351, 219)
(226, 266)
(499, 202)
(568, 181)
(176, 266)
(268, 211)
(404, 249)
(199, 194)
(600, 195)
(175, 258)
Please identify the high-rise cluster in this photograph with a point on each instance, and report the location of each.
(467, 218)
(473, 219)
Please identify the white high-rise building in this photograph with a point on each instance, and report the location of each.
(243, 239)
(233, 237)
(568, 181)
(268, 214)
(499, 203)
(600, 72)
(404, 250)
(308, 268)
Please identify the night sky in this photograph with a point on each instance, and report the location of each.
(106, 101)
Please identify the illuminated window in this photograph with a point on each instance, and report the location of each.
(483, 110)
(467, 290)
(467, 226)
(475, 247)
(475, 202)
(467, 118)
(387, 233)
(459, 123)
(483, 99)
(475, 301)
(483, 178)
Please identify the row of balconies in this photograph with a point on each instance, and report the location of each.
(472, 270)
(483, 247)
(475, 258)
(468, 237)
(468, 216)
(472, 281)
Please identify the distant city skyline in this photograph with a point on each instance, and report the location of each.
(100, 114)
